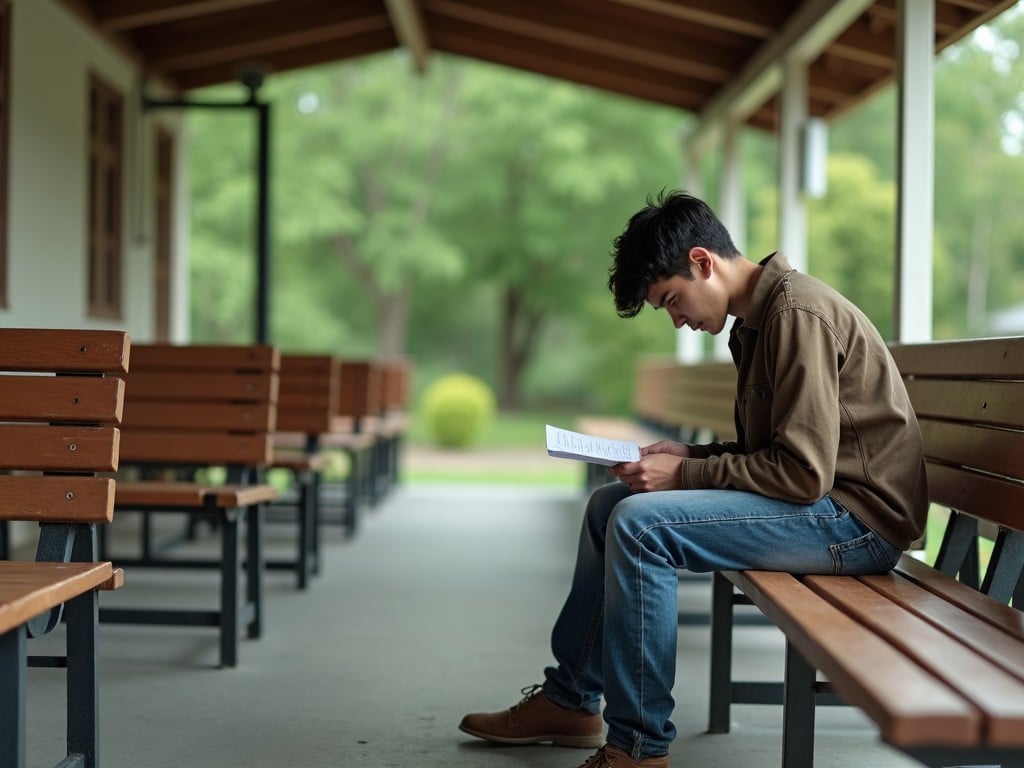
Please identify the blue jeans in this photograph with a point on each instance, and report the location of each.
(616, 634)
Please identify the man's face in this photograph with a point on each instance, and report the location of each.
(692, 303)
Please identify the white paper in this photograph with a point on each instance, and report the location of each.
(564, 444)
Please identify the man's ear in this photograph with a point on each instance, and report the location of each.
(701, 261)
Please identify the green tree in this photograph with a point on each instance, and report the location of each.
(566, 167)
(850, 235)
(978, 172)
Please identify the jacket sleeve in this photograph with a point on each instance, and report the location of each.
(803, 356)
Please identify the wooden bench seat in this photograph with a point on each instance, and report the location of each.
(59, 409)
(937, 664)
(191, 410)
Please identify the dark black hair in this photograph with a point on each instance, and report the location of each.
(656, 244)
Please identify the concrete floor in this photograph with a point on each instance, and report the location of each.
(440, 606)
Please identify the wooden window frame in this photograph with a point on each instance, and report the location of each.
(163, 226)
(104, 239)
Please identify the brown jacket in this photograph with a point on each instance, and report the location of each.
(821, 409)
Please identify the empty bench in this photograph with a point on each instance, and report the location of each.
(59, 407)
(685, 402)
(936, 664)
(305, 413)
(190, 410)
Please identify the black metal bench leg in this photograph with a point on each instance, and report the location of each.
(12, 697)
(315, 491)
(229, 598)
(82, 614)
(354, 491)
(798, 711)
(254, 569)
(305, 511)
(721, 654)
(1005, 567)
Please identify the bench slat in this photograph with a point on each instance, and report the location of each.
(56, 497)
(242, 495)
(155, 493)
(998, 403)
(79, 399)
(983, 637)
(191, 495)
(147, 446)
(58, 448)
(991, 450)
(202, 417)
(926, 710)
(969, 358)
(33, 349)
(990, 498)
(198, 357)
(29, 588)
(184, 385)
(1009, 620)
(996, 693)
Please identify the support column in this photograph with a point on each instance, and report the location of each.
(689, 345)
(915, 154)
(732, 208)
(792, 207)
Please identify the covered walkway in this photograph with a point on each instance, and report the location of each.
(441, 605)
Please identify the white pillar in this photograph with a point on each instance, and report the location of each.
(732, 209)
(792, 207)
(689, 345)
(915, 153)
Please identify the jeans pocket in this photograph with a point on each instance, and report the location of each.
(863, 555)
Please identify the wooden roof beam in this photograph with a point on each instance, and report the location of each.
(407, 20)
(758, 20)
(119, 15)
(806, 34)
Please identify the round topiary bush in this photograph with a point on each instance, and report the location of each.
(457, 408)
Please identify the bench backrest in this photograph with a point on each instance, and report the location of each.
(359, 395)
(396, 385)
(60, 404)
(693, 400)
(969, 399)
(201, 405)
(308, 393)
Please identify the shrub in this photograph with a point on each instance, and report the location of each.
(457, 408)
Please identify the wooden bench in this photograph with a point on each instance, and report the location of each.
(305, 413)
(59, 407)
(188, 409)
(354, 431)
(936, 664)
(396, 390)
(687, 402)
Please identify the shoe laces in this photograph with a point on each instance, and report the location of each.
(599, 759)
(529, 692)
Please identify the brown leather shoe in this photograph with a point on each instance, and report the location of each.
(536, 720)
(610, 756)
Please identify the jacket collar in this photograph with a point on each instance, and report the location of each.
(776, 267)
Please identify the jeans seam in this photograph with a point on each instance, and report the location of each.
(597, 617)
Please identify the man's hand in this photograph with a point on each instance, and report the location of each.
(657, 470)
(667, 446)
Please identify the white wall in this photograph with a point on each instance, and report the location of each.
(52, 55)
(53, 52)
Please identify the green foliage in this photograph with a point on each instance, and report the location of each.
(465, 217)
(457, 408)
